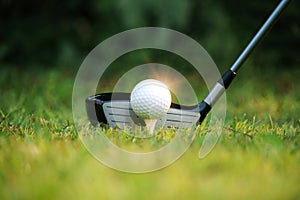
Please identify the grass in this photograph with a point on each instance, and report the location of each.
(257, 156)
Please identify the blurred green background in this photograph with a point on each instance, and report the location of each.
(62, 33)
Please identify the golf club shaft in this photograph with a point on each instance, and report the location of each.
(220, 87)
(259, 35)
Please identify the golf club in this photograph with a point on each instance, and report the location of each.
(114, 108)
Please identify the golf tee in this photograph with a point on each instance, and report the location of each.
(150, 125)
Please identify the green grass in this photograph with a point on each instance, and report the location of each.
(41, 156)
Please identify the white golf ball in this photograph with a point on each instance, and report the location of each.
(150, 99)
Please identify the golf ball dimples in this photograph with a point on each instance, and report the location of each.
(150, 99)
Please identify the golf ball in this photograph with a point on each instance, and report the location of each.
(150, 99)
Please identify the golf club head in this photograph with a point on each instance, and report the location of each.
(114, 109)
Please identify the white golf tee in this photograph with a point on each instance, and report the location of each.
(150, 125)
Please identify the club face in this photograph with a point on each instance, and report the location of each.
(114, 109)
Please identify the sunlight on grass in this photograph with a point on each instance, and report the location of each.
(42, 157)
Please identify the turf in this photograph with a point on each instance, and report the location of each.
(42, 157)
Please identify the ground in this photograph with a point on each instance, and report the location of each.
(256, 157)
